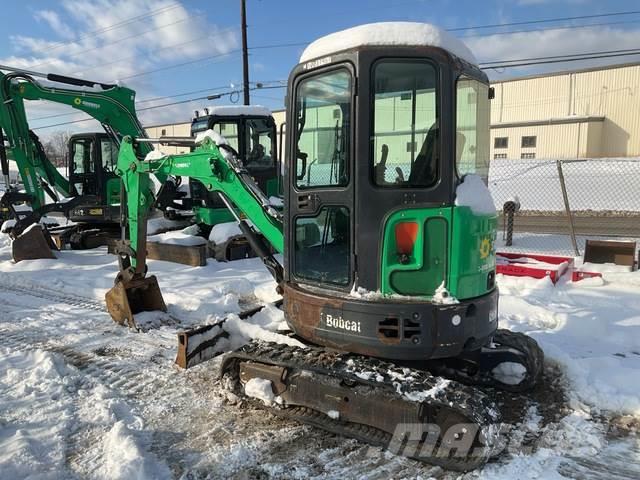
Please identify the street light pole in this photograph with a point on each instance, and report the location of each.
(245, 54)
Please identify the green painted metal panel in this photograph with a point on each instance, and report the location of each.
(452, 244)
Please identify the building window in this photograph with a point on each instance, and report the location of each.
(501, 142)
(529, 154)
(529, 142)
(164, 132)
(498, 156)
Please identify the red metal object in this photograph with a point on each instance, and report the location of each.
(577, 275)
(532, 265)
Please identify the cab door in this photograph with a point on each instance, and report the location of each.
(320, 204)
(82, 175)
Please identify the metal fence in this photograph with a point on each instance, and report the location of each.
(553, 206)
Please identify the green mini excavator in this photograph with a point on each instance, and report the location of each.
(387, 238)
(90, 196)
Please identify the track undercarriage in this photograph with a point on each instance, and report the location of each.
(430, 411)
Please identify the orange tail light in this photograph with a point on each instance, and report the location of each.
(406, 235)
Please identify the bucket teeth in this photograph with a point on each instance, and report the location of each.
(128, 298)
(35, 243)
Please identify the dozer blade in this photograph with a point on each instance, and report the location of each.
(33, 244)
(203, 343)
(126, 299)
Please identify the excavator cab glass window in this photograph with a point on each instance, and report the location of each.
(259, 146)
(82, 154)
(323, 125)
(405, 137)
(108, 154)
(229, 130)
(472, 127)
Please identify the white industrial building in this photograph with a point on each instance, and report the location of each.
(586, 113)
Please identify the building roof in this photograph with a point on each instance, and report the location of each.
(567, 72)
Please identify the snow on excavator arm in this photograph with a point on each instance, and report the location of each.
(219, 171)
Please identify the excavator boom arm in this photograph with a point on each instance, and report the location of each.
(219, 172)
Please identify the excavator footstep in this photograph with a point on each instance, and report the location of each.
(35, 243)
(126, 299)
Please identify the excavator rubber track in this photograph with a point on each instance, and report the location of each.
(507, 346)
(408, 411)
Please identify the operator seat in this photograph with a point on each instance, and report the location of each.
(425, 167)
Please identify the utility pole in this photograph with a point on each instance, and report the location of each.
(245, 54)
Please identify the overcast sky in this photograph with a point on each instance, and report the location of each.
(163, 48)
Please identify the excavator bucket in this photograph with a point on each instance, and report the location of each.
(35, 243)
(126, 299)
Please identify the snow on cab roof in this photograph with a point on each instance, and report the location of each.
(239, 110)
(388, 33)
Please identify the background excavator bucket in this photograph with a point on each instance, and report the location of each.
(126, 299)
(33, 244)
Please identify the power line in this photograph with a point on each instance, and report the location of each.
(549, 29)
(139, 34)
(164, 105)
(177, 65)
(113, 26)
(550, 57)
(146, 100)
(544, 62)
(208, 36)
(547, 20)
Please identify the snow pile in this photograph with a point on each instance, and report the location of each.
(443, 297)
(334, 414)
(186, 237)
(605, 267)
(363, 293)
(154, 155)
(509, 373)
(591, 330)
(388, 33)
(36, 389)
(262, 326)
(7, 225)
(160, 224)
(126, 457)
(214, 136)
(222, 232)
(276, 201)
(233, 110)
(473, 193)
(261, 389)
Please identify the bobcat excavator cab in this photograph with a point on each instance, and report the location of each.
(389, 265)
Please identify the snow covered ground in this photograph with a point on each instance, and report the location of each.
(81, 397)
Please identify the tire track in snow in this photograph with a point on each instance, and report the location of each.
(187, 412)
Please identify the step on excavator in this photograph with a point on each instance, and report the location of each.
(388, 248)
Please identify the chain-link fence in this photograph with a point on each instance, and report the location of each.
(554, 206)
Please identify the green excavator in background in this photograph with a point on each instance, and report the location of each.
(389, 264)
(90, 195)
(251, 132)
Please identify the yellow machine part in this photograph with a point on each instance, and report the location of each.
(126, 299)
(33, 244)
